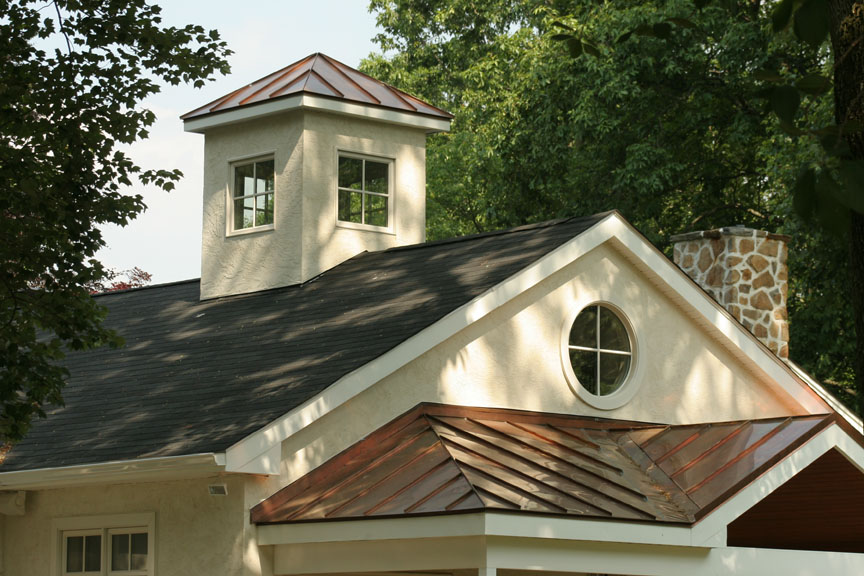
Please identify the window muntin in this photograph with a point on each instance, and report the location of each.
(253, 194)
(107, 552)
(364, 191)
(599, 350)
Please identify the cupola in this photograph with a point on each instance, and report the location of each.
(306, 168)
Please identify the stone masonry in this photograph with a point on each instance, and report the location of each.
(745, 271)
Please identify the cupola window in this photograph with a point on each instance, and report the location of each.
(364, 191)
(253, 195)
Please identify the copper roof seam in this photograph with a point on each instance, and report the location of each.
(429, 418)
(681, 445)
(375, 463)
(484, 495)
(533, 480)
(338, 68)
(388, 476)
(437, 490)
(566, 432)
(564, 477)
(712, 448)
(413, 483)
(653, 438)
(398, 94)
(461, 499)
(744, 453)
(595, 461)
(288, 71)
(326, 83)
(525, 493)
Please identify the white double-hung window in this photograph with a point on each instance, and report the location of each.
(365, 190)
(105, 545)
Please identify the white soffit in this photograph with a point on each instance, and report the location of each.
(309, 102)
(241, 455)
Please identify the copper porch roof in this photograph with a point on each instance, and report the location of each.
(445, 459)
(320, 75)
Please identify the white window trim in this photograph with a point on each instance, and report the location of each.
(391, 196)
(229, 198)
(102, 525)
(631, 383)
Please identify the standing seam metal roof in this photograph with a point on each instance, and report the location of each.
(320, 75)
(440, 459)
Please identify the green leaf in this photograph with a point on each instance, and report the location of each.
(852, 176)
(830, 211)
(624, 37)
(781, 15)
(590, 49)
(785, 101)
(815, 84)
(834, 144)
(574, 45)
(701, 3)
(804, 193)
(812, 22)
(768, 76)
(681, 22)
(561, 37)
(662, 30)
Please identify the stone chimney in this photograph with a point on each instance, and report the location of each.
(745, 271)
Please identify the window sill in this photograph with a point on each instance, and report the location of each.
(365, 227)
(247, 231)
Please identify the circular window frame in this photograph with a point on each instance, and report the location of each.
(629, 387)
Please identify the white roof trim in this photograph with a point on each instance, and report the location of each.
(830, 438)
(838, 406)
(240, 455)
(145, 469)
(475, 524)
(244, 113)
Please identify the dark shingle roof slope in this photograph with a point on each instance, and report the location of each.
(197, 377)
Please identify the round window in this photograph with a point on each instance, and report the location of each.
(600, 350)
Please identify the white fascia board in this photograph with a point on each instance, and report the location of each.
(244, 113)
(832, 437)
(486, 524)
(838, 406)
(613, 226)
(352, 384)
(145, 469)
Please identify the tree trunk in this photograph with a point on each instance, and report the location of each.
(847, 39)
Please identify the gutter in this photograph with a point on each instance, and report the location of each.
(119, 471)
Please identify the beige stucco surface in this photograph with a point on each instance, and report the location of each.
(195, 533)
(305, 238)
(512, 359)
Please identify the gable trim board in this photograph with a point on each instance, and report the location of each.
(613, 229)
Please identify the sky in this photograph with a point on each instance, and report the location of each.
(265, 35)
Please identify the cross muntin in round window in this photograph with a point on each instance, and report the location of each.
(600, 350)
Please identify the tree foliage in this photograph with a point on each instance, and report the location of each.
(668, 118)
(73, 75)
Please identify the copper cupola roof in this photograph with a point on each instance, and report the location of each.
(317, 76)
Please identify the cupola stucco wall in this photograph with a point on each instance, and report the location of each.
(305, 239)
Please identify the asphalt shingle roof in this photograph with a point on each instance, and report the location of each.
(197, 377)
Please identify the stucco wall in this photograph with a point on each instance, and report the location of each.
(305, 239)
(325, 243)
(195, 533)
(260, 259)
(512, 359)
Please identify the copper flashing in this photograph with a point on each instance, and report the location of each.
(439, 459)
(320, 75)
